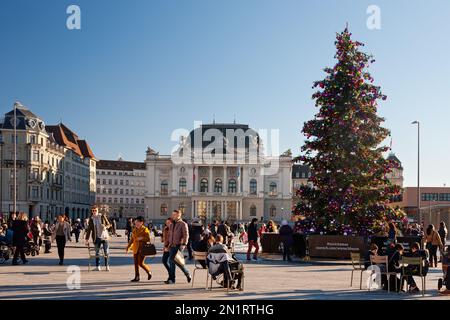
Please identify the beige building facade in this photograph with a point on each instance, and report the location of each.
(204, 185)
(121, 188)
(53, 174)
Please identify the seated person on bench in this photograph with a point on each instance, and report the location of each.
(221, 261)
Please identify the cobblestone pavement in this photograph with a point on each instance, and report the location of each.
(268, 278)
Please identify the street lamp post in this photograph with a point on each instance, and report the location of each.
(418, 170)
(15, 160)
(1, 174)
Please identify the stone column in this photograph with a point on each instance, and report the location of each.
(225, 213)
(238, 169)
(211, 183)
(196, 181)
(240, 211)
(224, 181)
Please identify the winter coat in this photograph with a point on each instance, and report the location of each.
(91, 231)
(286, 235)
(434, 238)
(136, 244)
(252, 232)
(178, 234)
(66, 228)
(20, 230)
(196, 233)
(443, 233)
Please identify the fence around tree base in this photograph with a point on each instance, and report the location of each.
(331, 246)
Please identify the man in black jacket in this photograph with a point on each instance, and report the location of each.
(415, 252)
(224, 231)
(253, 239)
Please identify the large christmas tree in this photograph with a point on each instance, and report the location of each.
(350, 192)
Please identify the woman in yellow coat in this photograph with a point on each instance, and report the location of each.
(139, 237)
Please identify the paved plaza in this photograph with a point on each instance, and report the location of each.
(268, 278)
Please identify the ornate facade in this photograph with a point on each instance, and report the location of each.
(54, 168)
(237, 184)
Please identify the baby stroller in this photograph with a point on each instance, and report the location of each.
(30, 247)
(445, 280)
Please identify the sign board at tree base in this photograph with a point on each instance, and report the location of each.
(337, 247)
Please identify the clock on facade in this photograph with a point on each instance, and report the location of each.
(31, 123)
(14, 122)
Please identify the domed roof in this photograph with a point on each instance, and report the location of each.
(228, 135)
(392, 157)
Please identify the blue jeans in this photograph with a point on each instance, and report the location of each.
(172, 253)
(101, 243)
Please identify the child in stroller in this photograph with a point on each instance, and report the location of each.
(6, 248)
(30, 247)
(445, 280)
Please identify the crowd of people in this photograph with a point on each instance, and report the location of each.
(217, 240)
(178, 236)
(433, 240)
(26, 236)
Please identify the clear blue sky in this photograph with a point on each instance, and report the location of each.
(139, 69)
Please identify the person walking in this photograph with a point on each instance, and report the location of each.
(11, 219)
(253, 239)
(286, 233)
(139, 237)
(129, 228)
(47, 232)
(97, 229)
(166, 248)
(61, 234)
(176, 241)
(36, 231)
(224, 230)
(443, 233)
(76, 229)
(20, 228)
(433, 241)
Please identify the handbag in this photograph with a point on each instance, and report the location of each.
(148, 249)
(179, 258)
(105, 234)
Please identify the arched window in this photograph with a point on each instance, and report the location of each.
(253, 187)
(182, 208)
(252, 210)
(164, 188)
(182, 186)
(218, 186)
(273, 188)
(204, 185)
(273, 211)
(163, 209)
(232, 186)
